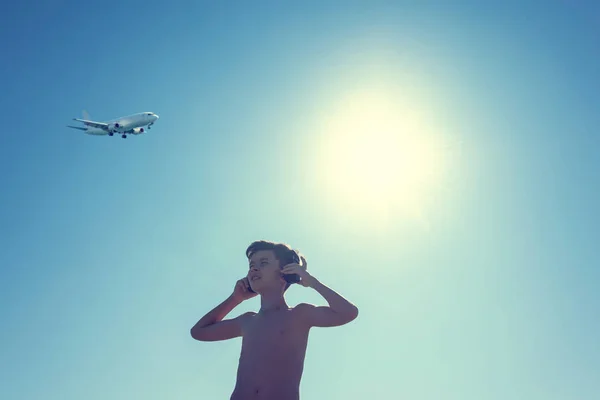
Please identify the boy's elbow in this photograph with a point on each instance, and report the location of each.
(353, 313)
(194, 333)
(349, 315)
(197, 334)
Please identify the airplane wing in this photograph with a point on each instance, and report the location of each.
(77, 127)
(94, 124)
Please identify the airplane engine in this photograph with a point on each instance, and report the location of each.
(138, 131)
(114, 127)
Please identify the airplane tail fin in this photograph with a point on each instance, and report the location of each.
(86, 117)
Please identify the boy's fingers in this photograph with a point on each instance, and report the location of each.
(241, 284)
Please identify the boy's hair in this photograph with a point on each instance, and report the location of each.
(283, 252)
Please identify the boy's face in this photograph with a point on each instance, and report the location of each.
(264, 271)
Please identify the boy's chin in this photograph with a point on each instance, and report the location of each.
(263, 288)
(257, 288)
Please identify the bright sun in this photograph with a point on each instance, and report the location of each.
(379, 158)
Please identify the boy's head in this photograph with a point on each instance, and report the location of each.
(266, 259)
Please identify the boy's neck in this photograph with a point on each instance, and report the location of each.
(272, 301)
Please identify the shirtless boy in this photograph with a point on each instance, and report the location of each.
(274, 340)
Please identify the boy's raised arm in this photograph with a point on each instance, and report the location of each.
(340, 310)
(212, 327)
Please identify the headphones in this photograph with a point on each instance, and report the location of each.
(295, 278)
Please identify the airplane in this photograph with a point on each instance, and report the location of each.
(131, 124)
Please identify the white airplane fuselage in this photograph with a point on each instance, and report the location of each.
(134, 124)
(127, 123)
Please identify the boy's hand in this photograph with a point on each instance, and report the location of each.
(306, 279)
(241, 290)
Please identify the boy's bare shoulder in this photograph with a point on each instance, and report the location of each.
(248, 314)
(246, 317)
(303, 308)
(320, 316)
(302, 311)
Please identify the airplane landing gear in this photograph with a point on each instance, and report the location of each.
(124, 136)
(110, 133)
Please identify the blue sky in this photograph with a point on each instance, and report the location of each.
(113, 249)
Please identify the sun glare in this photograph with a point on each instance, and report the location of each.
(379, 158)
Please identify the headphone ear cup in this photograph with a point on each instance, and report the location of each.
(292, 278)
(296, 257)
(303, 262)
(299, 259)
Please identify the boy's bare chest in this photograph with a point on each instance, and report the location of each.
(272, 357)
(273, 330)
